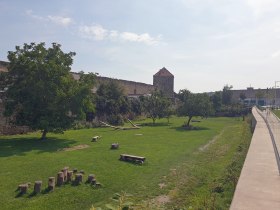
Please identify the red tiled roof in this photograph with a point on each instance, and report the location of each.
(164, 73)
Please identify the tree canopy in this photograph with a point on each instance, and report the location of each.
(111, 102)
(42, 92)
(193, 105)
(156, 106)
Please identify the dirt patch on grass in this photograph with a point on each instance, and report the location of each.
(162, 185)
(204, 147)
(77, 147)
(162, 199)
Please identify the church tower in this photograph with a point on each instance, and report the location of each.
(164, 81)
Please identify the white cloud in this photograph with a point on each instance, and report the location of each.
(97, 32)
(64, 21)
(59, 20)
(144, 38)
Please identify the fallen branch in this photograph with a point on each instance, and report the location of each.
(118, 127)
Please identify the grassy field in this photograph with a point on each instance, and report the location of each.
(277, 112)
(195, 168)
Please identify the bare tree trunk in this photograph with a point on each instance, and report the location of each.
(189, 120)
(44, 134)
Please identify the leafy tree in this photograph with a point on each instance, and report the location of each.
(111, 102)
(227, 95)
(216, 99)
(42, 93)
(156, 106)
(193, 105)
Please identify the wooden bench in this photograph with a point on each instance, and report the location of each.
(132, 158)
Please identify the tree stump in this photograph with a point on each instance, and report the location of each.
(69, 176)
(90, 178)
(37, 186)
(65, 170)
(78, 178)
(23, 188)
(93, 182)
(114, 146)
(60, 178)
(51, 183)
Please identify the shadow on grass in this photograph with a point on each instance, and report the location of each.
(185, 129)
(20, 146)
(155, 125)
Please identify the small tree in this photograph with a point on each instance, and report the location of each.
(193, 105)
(156, 106)
(41, 90)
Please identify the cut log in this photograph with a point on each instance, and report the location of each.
(90, 178)
(23, 188)
(60, 178)
(95, 138)
(78, 178)
(69, 176)
(37, 186)
(51, 183)
(118, 127)
(114, 146)
(65, 170)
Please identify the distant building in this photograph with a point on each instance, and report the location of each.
(262, 97)
(163, 80)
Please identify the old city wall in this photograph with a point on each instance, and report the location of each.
(130, 87)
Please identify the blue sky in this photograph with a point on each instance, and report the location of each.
(204, 43)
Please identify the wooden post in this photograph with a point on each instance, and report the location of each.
(78, 178)
(23, 188)
(69, 176)
(51, 183)
(114, 146)
(65, 170)
(37, 186)
(60, 178)
(90, 178)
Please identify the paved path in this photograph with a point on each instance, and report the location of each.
(258, 187)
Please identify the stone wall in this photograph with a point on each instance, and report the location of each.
(165, 84)
(3, 66)
(130, 87)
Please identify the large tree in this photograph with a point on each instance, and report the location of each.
(42, 92)
(193, 105)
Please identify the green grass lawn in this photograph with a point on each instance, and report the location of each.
(187, 163)
(277, 112)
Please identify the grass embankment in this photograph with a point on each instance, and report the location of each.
(277, 112)
(189, 169)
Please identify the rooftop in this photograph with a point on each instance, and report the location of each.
(164, 73)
